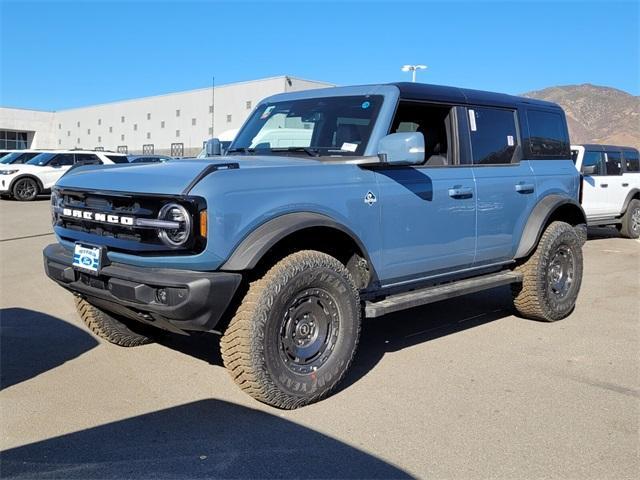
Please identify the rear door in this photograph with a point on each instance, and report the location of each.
(506, 190)
(616, 190)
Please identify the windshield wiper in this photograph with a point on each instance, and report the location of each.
(312, 152)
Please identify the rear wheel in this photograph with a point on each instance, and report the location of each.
(630, 227)
(108, 327)
(296, 332)
(551, 276)
(25, 189)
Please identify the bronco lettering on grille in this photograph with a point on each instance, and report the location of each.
(97, 217)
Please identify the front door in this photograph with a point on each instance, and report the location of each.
(594, 184)
(427, 212)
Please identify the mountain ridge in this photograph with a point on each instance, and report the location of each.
(596, 114)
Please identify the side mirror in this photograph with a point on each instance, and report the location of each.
(213, 147)
(588, 169)
(406, 148)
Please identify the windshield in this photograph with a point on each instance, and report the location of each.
(13, 157)
(315, 126)
(41, 159)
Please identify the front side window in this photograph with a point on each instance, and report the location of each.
(493, 135)
(336, 126)
(631, 161)
(547, 135)
(614, 163)
(593, 163)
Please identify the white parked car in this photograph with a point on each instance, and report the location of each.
(610, 186)
(26, 181)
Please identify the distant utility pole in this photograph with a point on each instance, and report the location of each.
(412, 69)
(213, 103)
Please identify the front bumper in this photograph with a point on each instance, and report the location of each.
(175, 300)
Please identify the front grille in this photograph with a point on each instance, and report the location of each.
(100, 217)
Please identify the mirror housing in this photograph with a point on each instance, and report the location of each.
(588, 170)
(405, 148)
(213, 147)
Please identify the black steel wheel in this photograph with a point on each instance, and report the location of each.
(295, 334)
(551, 276)
(25, 189)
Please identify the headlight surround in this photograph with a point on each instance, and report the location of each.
(8, 172)
(56, 204)
(179, 237)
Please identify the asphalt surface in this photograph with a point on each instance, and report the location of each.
(459, 389)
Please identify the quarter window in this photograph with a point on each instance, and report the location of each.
(547, 135)
(631, 161)
(493, 135)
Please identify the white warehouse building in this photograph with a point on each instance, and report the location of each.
(174, 123)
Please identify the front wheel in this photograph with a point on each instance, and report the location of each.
(296, 332)
(25, 189)
(552, 276)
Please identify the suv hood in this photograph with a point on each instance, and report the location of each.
(23, 167)
(161, 178)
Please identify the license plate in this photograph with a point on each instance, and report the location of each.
(87, 258)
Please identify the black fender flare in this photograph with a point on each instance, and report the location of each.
(26, 175)
(634, 193)
(252, 248)
(539, 218)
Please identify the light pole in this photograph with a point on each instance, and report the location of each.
(412, 69)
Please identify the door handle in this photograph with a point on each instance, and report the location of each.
(460, 192)
(525, 187)
(625, 184)
(604, 185)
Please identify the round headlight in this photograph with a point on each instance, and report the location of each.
(176, 237)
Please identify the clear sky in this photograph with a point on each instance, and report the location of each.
(57, 55)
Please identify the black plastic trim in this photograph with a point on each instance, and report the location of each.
(538, 219)
(249, 251)
(206, 171)
(198, 299)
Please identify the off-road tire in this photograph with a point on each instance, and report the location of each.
(25, 189)
(534, 298)
(253, 346)
(630, 227)
(107, 327)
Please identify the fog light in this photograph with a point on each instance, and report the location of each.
(161, 295)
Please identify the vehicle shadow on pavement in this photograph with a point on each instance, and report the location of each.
(404, 329)
(602, 233)
(385, 334)
(205, 439)
(32, 343)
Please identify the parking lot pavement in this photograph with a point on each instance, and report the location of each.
(458, 389)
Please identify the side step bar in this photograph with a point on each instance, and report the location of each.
(415, 298)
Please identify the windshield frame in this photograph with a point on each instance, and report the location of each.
(381, 123)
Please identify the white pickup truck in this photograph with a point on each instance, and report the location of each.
(610, 186)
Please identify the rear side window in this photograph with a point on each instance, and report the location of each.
(62, 159)
(631, 161)
(614, 163)
(548, 137)
(118, 158)
(493, 135)
(593, 159)
(88, 159)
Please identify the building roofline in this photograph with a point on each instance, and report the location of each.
(194, 90)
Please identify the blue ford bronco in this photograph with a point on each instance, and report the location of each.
(330, 206)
